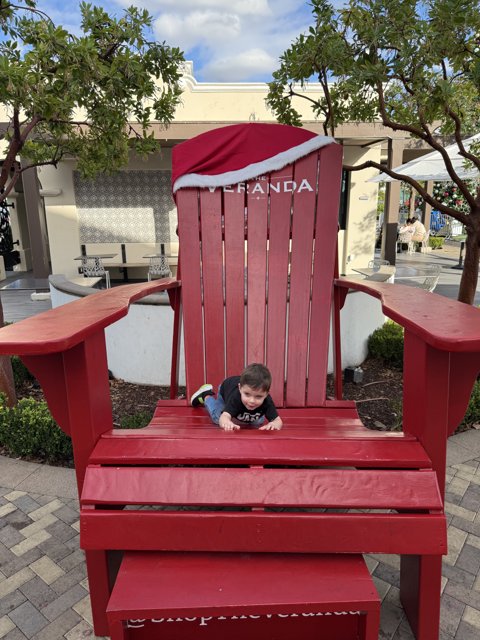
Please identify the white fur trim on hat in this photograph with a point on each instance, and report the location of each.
(255, 169)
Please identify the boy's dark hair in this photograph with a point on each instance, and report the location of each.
(256, 376)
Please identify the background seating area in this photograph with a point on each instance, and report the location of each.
(131, 261)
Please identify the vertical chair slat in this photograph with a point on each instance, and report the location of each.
(278, 264)
(305, 173)
(234, 214)
(212, 274)
(189, 232)
(326, 225)
(257, 208)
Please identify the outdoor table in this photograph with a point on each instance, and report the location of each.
(158, 255)
(377, 274)
(102, 256)
(423, 277)
(27, 284)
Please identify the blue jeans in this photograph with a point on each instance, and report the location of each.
(216, 406)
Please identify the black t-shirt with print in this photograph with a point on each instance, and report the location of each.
(235, 407)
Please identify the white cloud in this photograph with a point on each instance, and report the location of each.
(245, 65)
(228, 40)
(236, 41)
(197, 28)
(241, 7)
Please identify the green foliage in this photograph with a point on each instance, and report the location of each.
(324, 52)
(137, 421)
(75, 95)
(411, 62)
(386, 343)
(381, 199)
(28, 430)
(472, 416)
(20, 372)
(412, 65)
(436, 242)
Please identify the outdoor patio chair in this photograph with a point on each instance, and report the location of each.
(377, 263)
(425, 248)
(158, 267)
(92, 267)
(431, 279)
(260, 200)
(426, 278)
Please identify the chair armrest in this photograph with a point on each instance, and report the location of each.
(65, 350)
(441, 360)
(447, 325)
(64, 327)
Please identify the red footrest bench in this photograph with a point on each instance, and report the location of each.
(215, 596)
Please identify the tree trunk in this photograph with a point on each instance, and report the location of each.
(7, 384)
(468, 282)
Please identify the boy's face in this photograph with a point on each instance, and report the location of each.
(251, 398)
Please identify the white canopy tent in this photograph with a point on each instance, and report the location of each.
(432, 167)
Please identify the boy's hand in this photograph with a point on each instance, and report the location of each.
(225, 422)
(274, 425)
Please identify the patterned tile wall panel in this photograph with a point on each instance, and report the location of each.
(130, 206)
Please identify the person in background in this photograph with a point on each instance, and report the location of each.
(419, 231)
(405, 233)
(412, 231)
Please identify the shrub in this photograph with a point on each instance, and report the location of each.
(436, 242)
(20, 372)
(387, 343)
(472, 415)
(137, 421)
(28, 430)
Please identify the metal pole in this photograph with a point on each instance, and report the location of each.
(460, 257)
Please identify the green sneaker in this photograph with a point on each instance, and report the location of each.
(198, 398)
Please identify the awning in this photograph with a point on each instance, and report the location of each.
(432, 167)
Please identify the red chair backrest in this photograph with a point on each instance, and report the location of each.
(257, 263)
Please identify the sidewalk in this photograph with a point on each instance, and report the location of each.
(43, 585)
(448, 259)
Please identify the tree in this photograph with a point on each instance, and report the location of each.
(91, 97)
(77, 96)
(415, 67)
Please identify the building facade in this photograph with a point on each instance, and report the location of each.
(132, 213)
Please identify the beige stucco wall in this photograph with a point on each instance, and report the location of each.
(61, 215)
(227, 102)
(357, 245)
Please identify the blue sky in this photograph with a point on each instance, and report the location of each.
(228, 40)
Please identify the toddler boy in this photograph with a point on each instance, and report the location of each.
(242, 401)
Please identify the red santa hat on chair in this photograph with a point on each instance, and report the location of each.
(240, 152)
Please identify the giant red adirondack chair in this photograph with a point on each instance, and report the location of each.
(257, 224)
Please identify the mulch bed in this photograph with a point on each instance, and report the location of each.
(379, 396)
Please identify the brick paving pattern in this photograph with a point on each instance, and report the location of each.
(43, 585)
(44, 590)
